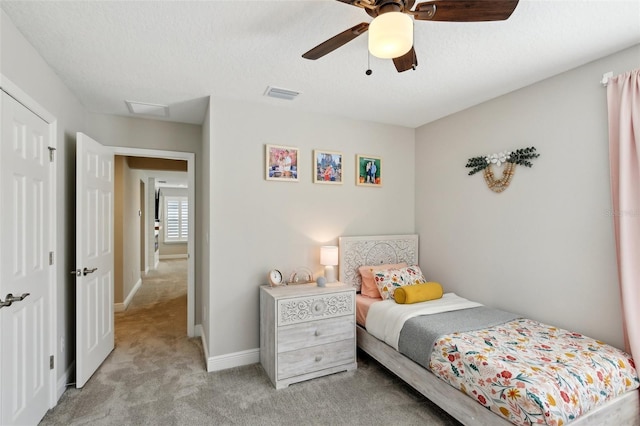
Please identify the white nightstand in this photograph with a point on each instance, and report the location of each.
(307, 331)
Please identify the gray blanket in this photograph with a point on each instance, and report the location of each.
(419, 334)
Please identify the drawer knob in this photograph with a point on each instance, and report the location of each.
(318, 358)
(318, 307)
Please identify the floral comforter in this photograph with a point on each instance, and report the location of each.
(532, 373)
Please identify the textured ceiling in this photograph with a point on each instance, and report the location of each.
(179, 53)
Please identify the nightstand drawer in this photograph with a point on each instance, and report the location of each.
(310, 308)
(314, 333)
(302, 361)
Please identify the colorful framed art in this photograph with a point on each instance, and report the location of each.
(281, 163)
(369, 170)
(327, 167)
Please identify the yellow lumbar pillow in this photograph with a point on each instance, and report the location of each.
(418, 293)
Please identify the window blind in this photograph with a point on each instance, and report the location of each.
(176, 219)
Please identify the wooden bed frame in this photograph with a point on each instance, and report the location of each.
(375, 250)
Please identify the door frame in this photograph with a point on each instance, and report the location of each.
(143, 231)
(31, 104)
(189, 157)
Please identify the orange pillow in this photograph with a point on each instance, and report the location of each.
(369, 287)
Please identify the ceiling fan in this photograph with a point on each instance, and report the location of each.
(393, 26)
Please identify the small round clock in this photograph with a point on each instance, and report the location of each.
(275, 278)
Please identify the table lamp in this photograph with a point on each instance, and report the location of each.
(329, 258)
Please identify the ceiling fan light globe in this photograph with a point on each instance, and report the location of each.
(390, 35)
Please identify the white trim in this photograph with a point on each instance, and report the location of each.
(205, 346)
(190, 158)
(21, 96)
(53, 309)
(64, 381)
(121, 307)
(236, 359)
(173, 256)
(198, 330)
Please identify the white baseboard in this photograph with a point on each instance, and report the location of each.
(198, 330)
(121, 307)
(236, 359)
(64, 380)
(173, 256)
(222, 362)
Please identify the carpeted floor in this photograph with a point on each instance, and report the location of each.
(156, 376)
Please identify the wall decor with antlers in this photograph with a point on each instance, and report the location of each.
(510, 159)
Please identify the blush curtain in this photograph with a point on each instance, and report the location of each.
(623, 100)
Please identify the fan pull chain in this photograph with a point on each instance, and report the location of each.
(368, 71)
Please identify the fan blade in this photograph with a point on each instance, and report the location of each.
(336, 41)
(408, 61)
(465, 10)
(364, 4)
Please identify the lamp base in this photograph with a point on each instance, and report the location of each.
(330, 274)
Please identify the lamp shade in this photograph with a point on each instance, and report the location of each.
(390, 35)
(329, 255)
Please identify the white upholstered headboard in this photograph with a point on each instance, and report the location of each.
(374, 250)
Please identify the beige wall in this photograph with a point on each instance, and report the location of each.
(544, 247)
(257, 225)
(126, 229)
(131, 228)
(164, 164)
(172, 250)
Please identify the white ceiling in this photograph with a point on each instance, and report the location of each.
(179, 53)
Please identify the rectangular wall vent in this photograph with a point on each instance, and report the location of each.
(275, 92)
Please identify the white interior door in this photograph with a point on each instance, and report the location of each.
(24, 264)
(94, 256)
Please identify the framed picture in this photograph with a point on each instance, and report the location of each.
(368, 170)
(281, 163)
(327, 167)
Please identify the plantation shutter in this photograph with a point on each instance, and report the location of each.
(177, 223)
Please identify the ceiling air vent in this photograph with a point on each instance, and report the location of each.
(142, 108)
(275, 92)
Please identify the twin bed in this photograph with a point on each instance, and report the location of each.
(485, 366)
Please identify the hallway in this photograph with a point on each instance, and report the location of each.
(152, 353)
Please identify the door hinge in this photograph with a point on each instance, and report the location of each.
(51, 151)
(50, 258)
(51, 362)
